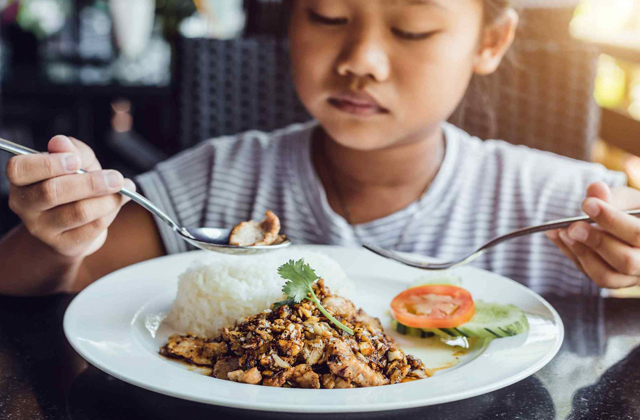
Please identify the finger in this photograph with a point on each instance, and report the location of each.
(29, 169)
(624, 198)
(557, 240)
(616, 222)
(81, 240)
(54, 192)
(599, 270)
(619, 255)
(599, 190)
(60, 144)
(80, 213)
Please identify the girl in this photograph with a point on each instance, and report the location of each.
(377, 164)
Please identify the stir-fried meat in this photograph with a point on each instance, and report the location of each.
(344, 363)
(254, 233)
(251, 376)
(313, 351)
(224, 365)
(195, 349)
(305, 377)
(372, 324)
(339, 306)
(331, 381)
(299, 347)
(278, 379)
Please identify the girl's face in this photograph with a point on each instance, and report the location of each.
(379, 73)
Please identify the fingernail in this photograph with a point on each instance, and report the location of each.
(579, 233)
(66, 141)
(114, 179)
(71, 163)
(565, 238)
(591, 208)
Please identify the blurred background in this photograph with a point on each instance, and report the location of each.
(140, 80)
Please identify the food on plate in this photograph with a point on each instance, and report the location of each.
(433, 306)
(295, 344)
(443, 308)
(299, 286)
(254, 233)
(491, 320)
(215, 292)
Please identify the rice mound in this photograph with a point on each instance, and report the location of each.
(216, 292)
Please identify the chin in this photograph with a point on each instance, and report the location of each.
(359, 136)
(359, 139)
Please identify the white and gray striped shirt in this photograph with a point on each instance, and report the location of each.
(483, 189)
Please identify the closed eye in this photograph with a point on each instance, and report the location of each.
(325, 20)
(412, 36)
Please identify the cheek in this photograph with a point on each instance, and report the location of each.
(311, 65)
(432, 83)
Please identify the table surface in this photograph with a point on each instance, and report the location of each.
(596, 374)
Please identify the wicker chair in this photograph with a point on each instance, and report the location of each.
(542, 98)
(226, 87)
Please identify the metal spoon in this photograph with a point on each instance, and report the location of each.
(211, 239)
(556, 224)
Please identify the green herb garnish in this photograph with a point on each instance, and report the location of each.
(300, 278)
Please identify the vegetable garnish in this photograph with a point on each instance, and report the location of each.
(433, 306)
(300, 278)
(491, 320)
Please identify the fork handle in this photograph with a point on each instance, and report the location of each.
(556, 224)
(18, 149)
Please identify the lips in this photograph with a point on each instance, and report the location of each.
(360, 104)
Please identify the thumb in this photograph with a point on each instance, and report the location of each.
(61, 144)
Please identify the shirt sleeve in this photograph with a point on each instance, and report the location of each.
(179, 187)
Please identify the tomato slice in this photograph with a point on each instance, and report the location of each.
(433, 306)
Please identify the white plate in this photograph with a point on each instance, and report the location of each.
(114, 324)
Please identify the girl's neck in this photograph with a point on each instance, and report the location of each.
(374, 184)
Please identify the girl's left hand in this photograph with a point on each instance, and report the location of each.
(609, 251)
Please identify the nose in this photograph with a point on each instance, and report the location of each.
(365, 56)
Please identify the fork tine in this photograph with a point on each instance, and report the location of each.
(398, 258)
(380, 251)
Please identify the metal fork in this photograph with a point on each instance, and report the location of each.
(556, 224)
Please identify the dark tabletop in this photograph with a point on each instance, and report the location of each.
(596, 374)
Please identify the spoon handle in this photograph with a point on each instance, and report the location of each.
(18, 149)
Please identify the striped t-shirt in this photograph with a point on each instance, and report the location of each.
(483, 189)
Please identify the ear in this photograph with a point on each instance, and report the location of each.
(496, 40)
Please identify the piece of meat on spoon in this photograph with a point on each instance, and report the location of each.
(254, 233)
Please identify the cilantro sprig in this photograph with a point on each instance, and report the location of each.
(300, 278)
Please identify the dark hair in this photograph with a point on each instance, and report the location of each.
(493, 9)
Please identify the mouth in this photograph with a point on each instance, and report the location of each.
(358, 104)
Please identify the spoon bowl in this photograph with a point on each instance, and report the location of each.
(217, 240)
(207, 238)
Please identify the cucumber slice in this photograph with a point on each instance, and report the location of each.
(491, 320)
(415, 332)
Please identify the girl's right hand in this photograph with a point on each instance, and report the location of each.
(69, 212)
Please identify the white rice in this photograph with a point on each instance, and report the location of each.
(216, 292)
